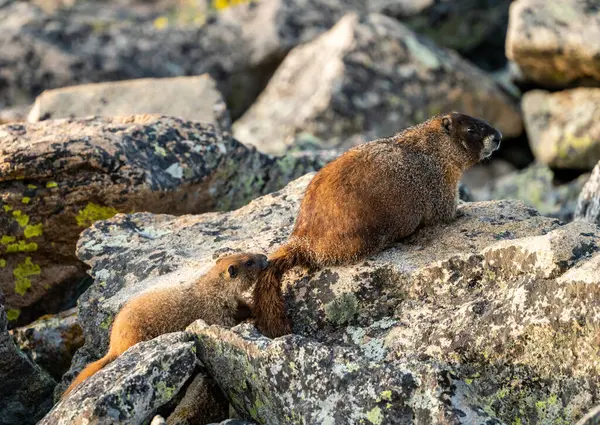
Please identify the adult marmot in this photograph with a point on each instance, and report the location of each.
(371, 197)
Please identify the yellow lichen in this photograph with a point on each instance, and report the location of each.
(33, 230)
(375, 416)
(7, 208)
(92, 213)
(161, 22)
(2, 263)
(6, 239)
(31, 186)
(22, 272)
(26, 199)
(50, 185)
(13, 313)
(22, 219)
(22, 247)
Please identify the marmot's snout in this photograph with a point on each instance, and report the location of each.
(497, 139)
(263, 262)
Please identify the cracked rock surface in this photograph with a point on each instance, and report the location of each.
(489, 319)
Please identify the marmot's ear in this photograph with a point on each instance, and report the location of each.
(232, 270)
(447, 124)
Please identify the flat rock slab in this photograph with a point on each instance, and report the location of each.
(484, 314)
(130, 389)
(588, 204)
(26, 390)
(188, 98)
(564, 127)
(375, 77)
(555, 43)
(58, 176)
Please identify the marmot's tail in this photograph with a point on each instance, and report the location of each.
(88, 371)
(269, 305)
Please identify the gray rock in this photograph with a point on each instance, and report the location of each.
(555, 43)
(130, 389)
(239, 47)
(564, 127)
(375, 77)
(202, 403)
(102, 166)
(489, 319)
(51, 341)
(190, 98)
(26, 390)
(591, 418)
(588, 204)
(475, 29)
(535, 186)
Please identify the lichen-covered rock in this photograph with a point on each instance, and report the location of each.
(26, 389)
(298, 380)
(190, 98)
(588, 204)
(51, 341)
(564, 127)
(475, 29)
(591, 418)
(489, 319)
(555, 42)
(202, 403)
(375, 77)
(534, 185)
(130, 389)
(58, 176)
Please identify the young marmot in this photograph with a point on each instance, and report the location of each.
(215, 298)
(371, 197)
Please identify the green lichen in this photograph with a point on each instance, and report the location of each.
(375, 416)
(13, 313)
(22, 272)
(7, 208)
(2, 263)
(22, 247)
(50, 185)
(26, 199)
(92, 213)
(105, 324)
(164, 391)
(386, 395)
(342, 309)
(6, 239)
(33, 230)
(31, 186)
(21, 218)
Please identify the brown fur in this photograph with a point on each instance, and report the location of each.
(214, 298)
(371, 197)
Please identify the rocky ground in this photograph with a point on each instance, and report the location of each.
(141, 140)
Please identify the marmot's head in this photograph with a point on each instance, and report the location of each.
(475, 136)
(242, 268)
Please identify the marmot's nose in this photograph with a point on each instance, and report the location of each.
(264, 262)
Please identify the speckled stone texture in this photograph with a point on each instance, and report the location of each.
(555, 43)
(535, 186)
(51, 341)
(588, 205)
(58, 176)
(375, 77)
(130, 389)
(564, 127)
(489, 319)
(26, 389)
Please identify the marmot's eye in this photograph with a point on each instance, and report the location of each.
(249, 263)
(471, 130)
